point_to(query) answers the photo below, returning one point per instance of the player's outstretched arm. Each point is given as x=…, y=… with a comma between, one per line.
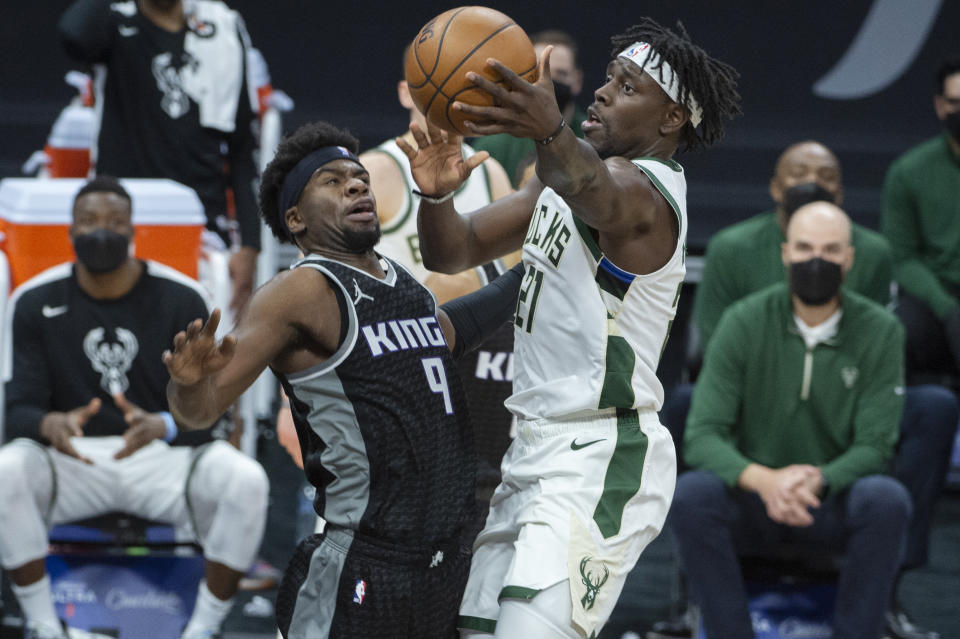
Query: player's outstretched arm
x=450, y=242
x=194, y=363
x=611, y=195
x=470, y=319
x=291, y=323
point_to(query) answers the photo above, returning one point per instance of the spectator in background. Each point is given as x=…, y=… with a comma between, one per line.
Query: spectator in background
x=174, y=101
x=793, y=424
x=567, y=83
x=745, y=258
x=86, y=411
x=921, y=218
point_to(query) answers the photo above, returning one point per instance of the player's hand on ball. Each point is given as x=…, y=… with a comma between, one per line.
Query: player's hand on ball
x=521, y=109
x=197, y=353
x=437, y=164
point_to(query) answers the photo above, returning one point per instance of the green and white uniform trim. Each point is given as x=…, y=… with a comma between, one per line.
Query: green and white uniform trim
x=588, y=481
x=589, y=334
x=581, y=497
x=400, y=240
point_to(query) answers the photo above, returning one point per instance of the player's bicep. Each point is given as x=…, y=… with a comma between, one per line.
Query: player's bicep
x=499, y=227
x=265, y=330
x=619, y=199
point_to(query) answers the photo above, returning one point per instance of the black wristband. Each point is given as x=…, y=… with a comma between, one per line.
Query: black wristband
x=553, y=136
x=477, y=315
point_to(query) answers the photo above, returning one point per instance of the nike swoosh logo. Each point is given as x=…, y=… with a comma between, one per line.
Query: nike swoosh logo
x=575, y=446
x=53, y=311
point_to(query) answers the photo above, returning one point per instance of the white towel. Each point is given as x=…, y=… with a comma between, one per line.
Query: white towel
x=216, y=38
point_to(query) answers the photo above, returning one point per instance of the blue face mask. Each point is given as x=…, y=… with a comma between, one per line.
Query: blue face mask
x=101, y=251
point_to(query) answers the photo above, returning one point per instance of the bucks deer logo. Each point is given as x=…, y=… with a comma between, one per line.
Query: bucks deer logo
x=593, y=583
x=112, y=359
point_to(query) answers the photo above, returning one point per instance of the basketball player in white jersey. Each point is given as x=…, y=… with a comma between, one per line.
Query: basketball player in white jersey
x=589, y=479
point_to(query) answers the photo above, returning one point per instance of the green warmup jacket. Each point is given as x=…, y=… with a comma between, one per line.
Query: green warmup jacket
x=921, y=218
x=745, y=258
x=762, y=397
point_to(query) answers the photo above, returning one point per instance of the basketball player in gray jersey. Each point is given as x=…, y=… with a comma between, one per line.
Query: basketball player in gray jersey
x=487, y=372
x=364, y=355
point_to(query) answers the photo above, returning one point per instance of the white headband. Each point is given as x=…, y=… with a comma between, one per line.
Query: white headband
x=645, y=57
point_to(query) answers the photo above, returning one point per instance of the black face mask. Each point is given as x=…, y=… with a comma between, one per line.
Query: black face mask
x=801, y=194
x=102, y=250
x=563, y=93
x=952, y=124
x=815, y=281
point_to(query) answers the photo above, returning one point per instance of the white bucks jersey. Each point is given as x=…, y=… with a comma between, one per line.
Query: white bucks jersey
x=589, y=335
x=400, y=241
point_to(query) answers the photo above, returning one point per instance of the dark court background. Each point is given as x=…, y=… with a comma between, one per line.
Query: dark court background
x=340, y=61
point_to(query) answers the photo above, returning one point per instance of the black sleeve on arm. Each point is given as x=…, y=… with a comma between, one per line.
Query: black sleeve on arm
x=28, y=391
x=477, y=315
x=87, y=30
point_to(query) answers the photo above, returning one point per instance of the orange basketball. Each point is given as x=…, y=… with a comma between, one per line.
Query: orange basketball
x=458, y=41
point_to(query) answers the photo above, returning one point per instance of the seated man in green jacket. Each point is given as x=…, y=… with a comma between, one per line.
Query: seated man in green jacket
x=745, y=257
x=792, y=427
x=921, y=218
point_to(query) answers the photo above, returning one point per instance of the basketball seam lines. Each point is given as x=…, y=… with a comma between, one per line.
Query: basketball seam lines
x=428, y=77
x=462, y=60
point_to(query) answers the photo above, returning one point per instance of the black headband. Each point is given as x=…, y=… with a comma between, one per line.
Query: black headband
x=299, y=175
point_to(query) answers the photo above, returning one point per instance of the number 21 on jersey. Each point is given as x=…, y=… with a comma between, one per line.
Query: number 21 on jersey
x=528, y=298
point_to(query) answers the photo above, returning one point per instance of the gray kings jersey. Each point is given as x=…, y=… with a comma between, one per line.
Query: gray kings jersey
x=383, y=423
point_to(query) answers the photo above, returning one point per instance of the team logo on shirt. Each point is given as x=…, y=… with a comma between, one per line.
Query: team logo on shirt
x=593, y=583
x=549, y=233
x=494, y=366
x=111, y=358
x=359, y=591
x=200, y=28
x=175, y=101
x=849, y=376
x=359, y=295
x=401, y=335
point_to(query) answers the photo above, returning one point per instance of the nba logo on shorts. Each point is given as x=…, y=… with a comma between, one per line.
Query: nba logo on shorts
x=360, y=591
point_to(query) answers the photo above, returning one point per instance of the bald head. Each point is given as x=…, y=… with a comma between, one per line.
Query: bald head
x=817, y=255
x=822, y=218
x=819, y=229
x=806, y=163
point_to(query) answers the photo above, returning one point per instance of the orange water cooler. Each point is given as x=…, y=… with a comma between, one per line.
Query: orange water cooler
x=35, y=214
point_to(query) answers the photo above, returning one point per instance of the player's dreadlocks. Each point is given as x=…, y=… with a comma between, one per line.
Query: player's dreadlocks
x=712, y=83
